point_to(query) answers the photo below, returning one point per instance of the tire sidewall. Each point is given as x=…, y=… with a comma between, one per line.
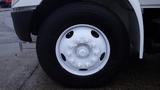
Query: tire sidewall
x=82, y=13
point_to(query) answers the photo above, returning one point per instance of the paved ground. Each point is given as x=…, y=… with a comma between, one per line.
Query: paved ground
x=8, y=39
x=21, y=70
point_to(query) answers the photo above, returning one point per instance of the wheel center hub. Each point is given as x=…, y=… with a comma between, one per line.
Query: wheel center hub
x=82, y=51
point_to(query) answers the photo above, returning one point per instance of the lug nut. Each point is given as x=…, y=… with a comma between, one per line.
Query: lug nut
x=87, y=64
x=82, y=41
x=77, y=41
x=86, y=40
x=96, y=52
x=83, y=66
x=94, y=59
x=80, y=65
x=71, y=61
x=72, y=45
x=69, y=53
x=93, y=45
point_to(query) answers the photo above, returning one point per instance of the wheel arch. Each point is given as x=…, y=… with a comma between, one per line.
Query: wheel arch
x=124, y=8
x=43, y=10
x=129, y=11
x=140, y=31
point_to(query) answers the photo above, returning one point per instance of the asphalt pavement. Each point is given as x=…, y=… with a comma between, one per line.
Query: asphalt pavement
x=20, y=70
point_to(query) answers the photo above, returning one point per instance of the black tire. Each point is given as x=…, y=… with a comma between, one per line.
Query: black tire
x=82, y=13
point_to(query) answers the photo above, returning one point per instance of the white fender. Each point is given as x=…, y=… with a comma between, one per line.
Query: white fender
x=137, y=8
x=134, y=3
x=25, y=3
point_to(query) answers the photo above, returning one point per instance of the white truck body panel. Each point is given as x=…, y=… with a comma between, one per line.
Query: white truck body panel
x=144, y=3
x=26, y=3
x=136, y=6
x=150, y=3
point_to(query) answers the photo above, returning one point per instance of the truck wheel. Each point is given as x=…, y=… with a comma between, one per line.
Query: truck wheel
x=82, y=45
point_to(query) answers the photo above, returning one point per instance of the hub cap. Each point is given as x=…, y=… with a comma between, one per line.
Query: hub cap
x=82, y=50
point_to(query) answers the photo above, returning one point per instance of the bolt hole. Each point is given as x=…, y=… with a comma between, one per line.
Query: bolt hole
x=63, y=57
x=83, y=69
x=70, y=34
x=95, y=34
x=102, y=56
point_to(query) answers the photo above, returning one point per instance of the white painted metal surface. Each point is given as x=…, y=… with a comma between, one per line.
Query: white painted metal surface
x=150, y=3
x=83, y=50
x=26, y=3
x=137, y=8
x=144, y=3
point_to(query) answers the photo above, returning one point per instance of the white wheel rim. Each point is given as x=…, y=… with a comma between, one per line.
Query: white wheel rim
x=83, y=50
